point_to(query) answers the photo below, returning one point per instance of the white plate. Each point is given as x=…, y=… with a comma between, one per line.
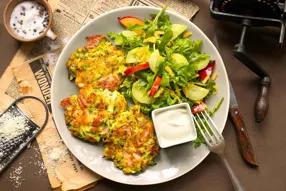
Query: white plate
x=171, y=162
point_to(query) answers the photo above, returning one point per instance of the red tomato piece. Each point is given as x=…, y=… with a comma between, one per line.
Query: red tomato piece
x=155, y=86
x=198, y=108
x=137, y=68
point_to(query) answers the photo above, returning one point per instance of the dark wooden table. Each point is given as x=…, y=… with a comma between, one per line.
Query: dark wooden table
x=268, y=138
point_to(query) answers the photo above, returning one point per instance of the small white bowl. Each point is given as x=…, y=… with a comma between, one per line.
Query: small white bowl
x=163, y=143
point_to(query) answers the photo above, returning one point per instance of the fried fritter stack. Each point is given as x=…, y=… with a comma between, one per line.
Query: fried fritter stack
x=99, y=111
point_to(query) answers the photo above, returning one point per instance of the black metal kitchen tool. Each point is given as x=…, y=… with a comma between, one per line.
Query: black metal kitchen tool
x=11, y=143
x=253, y=13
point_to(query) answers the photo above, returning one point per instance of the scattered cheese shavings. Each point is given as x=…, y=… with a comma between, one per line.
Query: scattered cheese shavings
x=56, y=153
x=12, y=126
x=16, y=176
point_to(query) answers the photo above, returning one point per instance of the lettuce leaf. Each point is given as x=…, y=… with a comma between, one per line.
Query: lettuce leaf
x=165, y=80
x=154, y=25
x=186, y=46
x=129, y=43
x=210, y=85
x=163, y=21
x=146, y=76
x=185, y=74
x=196, y=57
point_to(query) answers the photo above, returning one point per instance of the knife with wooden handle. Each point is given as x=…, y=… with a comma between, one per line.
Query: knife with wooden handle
x=243, y=139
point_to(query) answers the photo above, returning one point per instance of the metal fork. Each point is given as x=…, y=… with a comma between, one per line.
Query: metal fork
x=215, y=143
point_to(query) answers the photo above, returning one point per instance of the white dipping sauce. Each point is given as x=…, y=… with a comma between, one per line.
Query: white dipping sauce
x=29, y=19
x=174, y=126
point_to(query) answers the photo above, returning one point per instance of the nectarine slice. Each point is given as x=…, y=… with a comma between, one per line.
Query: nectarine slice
x=129, y=21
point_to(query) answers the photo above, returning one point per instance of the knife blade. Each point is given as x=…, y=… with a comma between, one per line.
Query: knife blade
x=245, y=146
x=243, y=138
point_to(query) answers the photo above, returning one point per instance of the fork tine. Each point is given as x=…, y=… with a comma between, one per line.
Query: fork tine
x=206, y=129
x=214, y=128
x=203, y=134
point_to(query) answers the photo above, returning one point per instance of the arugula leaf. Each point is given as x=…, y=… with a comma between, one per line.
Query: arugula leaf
x=126, y=87
x=210, y=85
x=169, y=53
x=146, y=109
x=199, y=140
x=180, y=81
x=186, y=46
x=165, y=80
x=164, y=100
x=164, y=40
x=128, y=81
x=154, y=25
x=197, y=45
x=161, y=69
x=186, y=100
x=185, y=74
x=211, y=112
x=196, y=57
x=113, y=35
x=127, y=44
x=138, y=27
x=163, y=21
x=147, y=76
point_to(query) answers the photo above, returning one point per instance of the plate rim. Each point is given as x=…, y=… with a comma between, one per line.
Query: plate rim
x=151, y=8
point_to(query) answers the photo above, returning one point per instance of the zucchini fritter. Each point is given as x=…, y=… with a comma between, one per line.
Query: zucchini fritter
x=99, y=112
x=100, y=64
x=131, y=142
x=89, y=113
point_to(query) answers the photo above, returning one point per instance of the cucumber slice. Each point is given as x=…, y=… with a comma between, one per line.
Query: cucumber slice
x=179, y=60
x=119, y=40
x=194, y=92
x=177, y=29
x=203, y=63
x=153, y=60
x=128, y=33
x=140, y=54
x=140, y=94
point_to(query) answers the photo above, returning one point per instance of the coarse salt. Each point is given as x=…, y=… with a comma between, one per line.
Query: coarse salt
x=29, y=19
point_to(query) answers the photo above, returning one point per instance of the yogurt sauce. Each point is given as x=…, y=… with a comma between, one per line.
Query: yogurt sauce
x=29, y=19
x=174, y=126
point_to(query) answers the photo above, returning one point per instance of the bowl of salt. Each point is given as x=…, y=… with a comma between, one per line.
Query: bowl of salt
x=28, y=21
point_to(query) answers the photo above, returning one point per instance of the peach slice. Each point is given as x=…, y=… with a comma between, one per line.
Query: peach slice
x=128, y=21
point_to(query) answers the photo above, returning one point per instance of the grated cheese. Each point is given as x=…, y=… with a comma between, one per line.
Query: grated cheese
x=12, y=126
x=16, y=175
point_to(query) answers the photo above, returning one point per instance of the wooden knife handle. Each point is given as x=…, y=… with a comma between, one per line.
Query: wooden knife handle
x=243, y=139
x=262, y=103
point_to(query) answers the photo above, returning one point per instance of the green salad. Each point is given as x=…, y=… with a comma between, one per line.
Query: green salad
x=166, y=66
